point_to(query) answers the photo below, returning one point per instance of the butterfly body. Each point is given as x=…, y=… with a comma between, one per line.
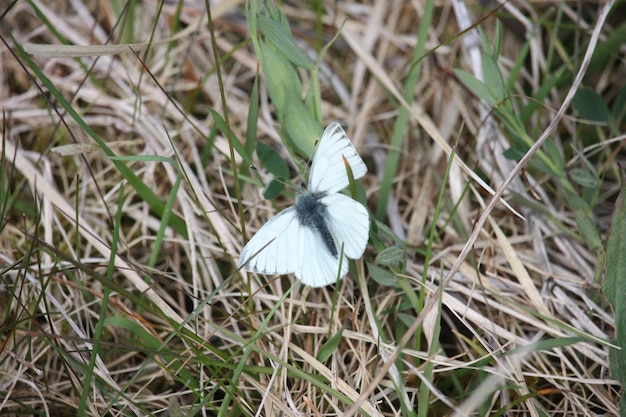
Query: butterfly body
x=312, y=213
x=314, y=238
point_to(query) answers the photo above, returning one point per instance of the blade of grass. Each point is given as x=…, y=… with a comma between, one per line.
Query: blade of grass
x=97, y=336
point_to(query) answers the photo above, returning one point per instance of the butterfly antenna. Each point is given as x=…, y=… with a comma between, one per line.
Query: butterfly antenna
x=309, y=160
x=259, y=178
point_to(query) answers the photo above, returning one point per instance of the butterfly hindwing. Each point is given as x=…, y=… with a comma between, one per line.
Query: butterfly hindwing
x=348, y=222
x=318, y=267
x=328, y=172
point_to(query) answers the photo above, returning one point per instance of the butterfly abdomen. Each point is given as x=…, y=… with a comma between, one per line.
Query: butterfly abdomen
x=312, y=213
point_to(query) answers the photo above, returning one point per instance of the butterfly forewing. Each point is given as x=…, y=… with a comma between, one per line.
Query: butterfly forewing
x=328, y=172
x=270, y=251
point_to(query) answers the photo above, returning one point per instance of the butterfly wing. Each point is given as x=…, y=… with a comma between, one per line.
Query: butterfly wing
x=348, y=222
x=318, y=267
x=284, y=246
x=271, y=249
x=328, y=172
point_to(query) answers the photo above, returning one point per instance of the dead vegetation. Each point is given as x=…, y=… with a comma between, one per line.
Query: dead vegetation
x=118, y=250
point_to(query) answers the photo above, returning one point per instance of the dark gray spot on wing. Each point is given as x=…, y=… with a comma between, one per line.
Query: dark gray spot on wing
x=312, y=213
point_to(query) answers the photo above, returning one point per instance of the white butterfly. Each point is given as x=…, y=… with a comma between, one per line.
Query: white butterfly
x=307, y=239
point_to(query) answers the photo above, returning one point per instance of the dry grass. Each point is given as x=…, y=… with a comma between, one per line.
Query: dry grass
x=119, y=293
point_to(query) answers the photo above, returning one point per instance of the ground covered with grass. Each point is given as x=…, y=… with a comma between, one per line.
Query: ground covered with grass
x=143, y=143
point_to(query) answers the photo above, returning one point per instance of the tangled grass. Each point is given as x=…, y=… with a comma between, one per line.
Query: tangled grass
x=139, y=137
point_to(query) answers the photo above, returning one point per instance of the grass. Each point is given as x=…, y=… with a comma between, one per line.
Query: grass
x=131, y=177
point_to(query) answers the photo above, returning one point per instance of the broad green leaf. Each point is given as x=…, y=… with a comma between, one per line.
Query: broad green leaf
x=584, y=177
x=273, y=189
x=282, y=78
x=606, y=50
x=271, y=160
x=493, y=78
x=590, y=106
x=588, y=229
x=517, y=152
x=382, y=276
x=301, y=126
x=538, y=164
x=391, y=256
x=282, y=40
x=406, y=319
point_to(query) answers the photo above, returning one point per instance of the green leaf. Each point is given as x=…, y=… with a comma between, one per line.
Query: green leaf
x=537, y=163
x=487, y=50
x=590, y=105
x=515, y=152
x=476, y=86
x=382, y=276
x=221, y=124
x=619, y=107
x=281, y=39
x=406, y=319
x=615, y=284
x=606, y=50
x=497, y=43
x=282, y=78
x=279, y=55
x=584, y=177
x=555, y=156
x=253, y=116
x=588, y=229
x=391, y=256
x=493, y=78
x=271, y=160
x=302, y=127
x=328, y=348
x=586, y=226
x=273, y=189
